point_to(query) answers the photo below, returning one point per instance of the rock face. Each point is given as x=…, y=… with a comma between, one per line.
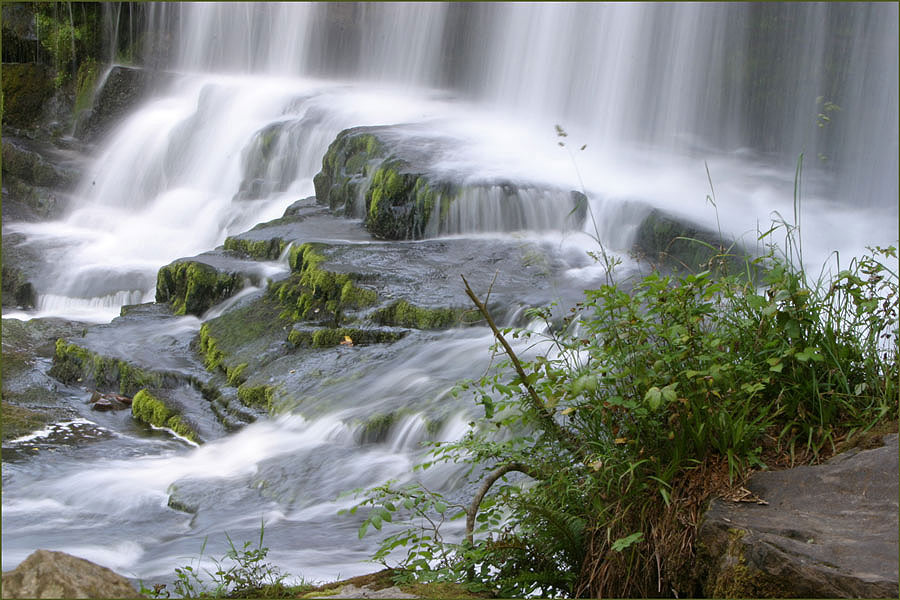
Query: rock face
x=827, y=531
x=122, y=90
x=46, y=574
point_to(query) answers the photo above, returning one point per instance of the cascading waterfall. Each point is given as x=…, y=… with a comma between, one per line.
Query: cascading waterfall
x=262, y=89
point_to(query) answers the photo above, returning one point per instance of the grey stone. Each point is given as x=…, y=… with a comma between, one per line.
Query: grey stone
x=48, y=574
x=827, y=531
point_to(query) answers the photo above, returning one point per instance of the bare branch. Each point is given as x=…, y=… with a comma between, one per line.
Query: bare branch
x=550, y=424
x=496, y=474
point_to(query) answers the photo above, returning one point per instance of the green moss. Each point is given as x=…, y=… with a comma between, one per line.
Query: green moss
x=26, y=86
x=235, y=375
x=193, y=287
x=317, y=294
x=376, y=428
x=74, y=364
x=259, y=396
x=85, y=82
x=328, y=337
x=404, y=314
x=257, y=249
x=18, y=420
x=735, y=579
x=147, y=408
x=343, y=168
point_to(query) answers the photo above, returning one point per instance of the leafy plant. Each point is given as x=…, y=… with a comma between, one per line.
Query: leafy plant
x=648, y=398
x=240, y=573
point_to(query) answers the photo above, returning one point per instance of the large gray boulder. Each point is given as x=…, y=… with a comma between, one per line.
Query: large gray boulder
x=827, y=531
x=47, y=574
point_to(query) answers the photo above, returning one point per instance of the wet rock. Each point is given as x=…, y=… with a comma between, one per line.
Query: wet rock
x=391, y=177
x=48, y=574
x=827, y=531
x=17, y=291
x=122, y=90
x=192, y=286
x=672, y=242
x=104, y=402
x=151, y=409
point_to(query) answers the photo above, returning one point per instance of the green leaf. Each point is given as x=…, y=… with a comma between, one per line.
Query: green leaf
x=363, y=528
x=653, y=398
x=622, y=543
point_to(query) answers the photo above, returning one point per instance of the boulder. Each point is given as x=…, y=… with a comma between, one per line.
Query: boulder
x=47, y=574
x=827, y=531
x=673, y=242
x=392, y=177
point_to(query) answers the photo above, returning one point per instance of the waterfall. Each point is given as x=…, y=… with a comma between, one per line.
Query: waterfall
x=665, y=105
x=702, y=78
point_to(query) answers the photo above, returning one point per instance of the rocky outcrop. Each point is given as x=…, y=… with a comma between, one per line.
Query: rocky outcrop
x=390, y=176
x=827, y=531
x=47, y=574
x=192, y=287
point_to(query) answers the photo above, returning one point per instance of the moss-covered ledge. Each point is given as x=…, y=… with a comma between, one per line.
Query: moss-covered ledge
x=403, y=314
x=74, y=364
x=149, y=408
x=314, y=293
x=192, y=287
x=271, y=249
x=328, y=337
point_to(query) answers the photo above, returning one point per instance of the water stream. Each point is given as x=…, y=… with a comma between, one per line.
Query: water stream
x=660, y=96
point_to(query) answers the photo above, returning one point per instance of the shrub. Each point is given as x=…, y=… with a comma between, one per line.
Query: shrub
x=637, y=408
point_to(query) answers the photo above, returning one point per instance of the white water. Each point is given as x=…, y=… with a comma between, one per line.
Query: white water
x=647, y=87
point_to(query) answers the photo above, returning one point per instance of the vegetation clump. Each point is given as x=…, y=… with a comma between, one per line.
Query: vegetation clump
x=148, y=408
x=641, y=407
x=328, y=337
x=313, y=293
x=193, y=287
x=259, y=396
x=403, y=314
x=257, y=249
x=74, y=364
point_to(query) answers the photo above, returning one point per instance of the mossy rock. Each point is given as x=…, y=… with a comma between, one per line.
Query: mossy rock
x=400, y=205
x=231, y=343
x=315, y=293
x=256, y=249
x=26, y=87
x=17, y=290
x=399, y=201
x=19, y=421
x=674, y=243
x=258, y=396
x=327, y=337
x=344, y=168
x=74, y=364
x=193, y=287
x=403, y=314
x=152, y=410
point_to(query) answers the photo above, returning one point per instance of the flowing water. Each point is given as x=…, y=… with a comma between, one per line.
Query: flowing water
x=668, y=99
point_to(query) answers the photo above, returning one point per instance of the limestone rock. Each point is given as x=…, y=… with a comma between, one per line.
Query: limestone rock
x=47, y=574
x=827, y=531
